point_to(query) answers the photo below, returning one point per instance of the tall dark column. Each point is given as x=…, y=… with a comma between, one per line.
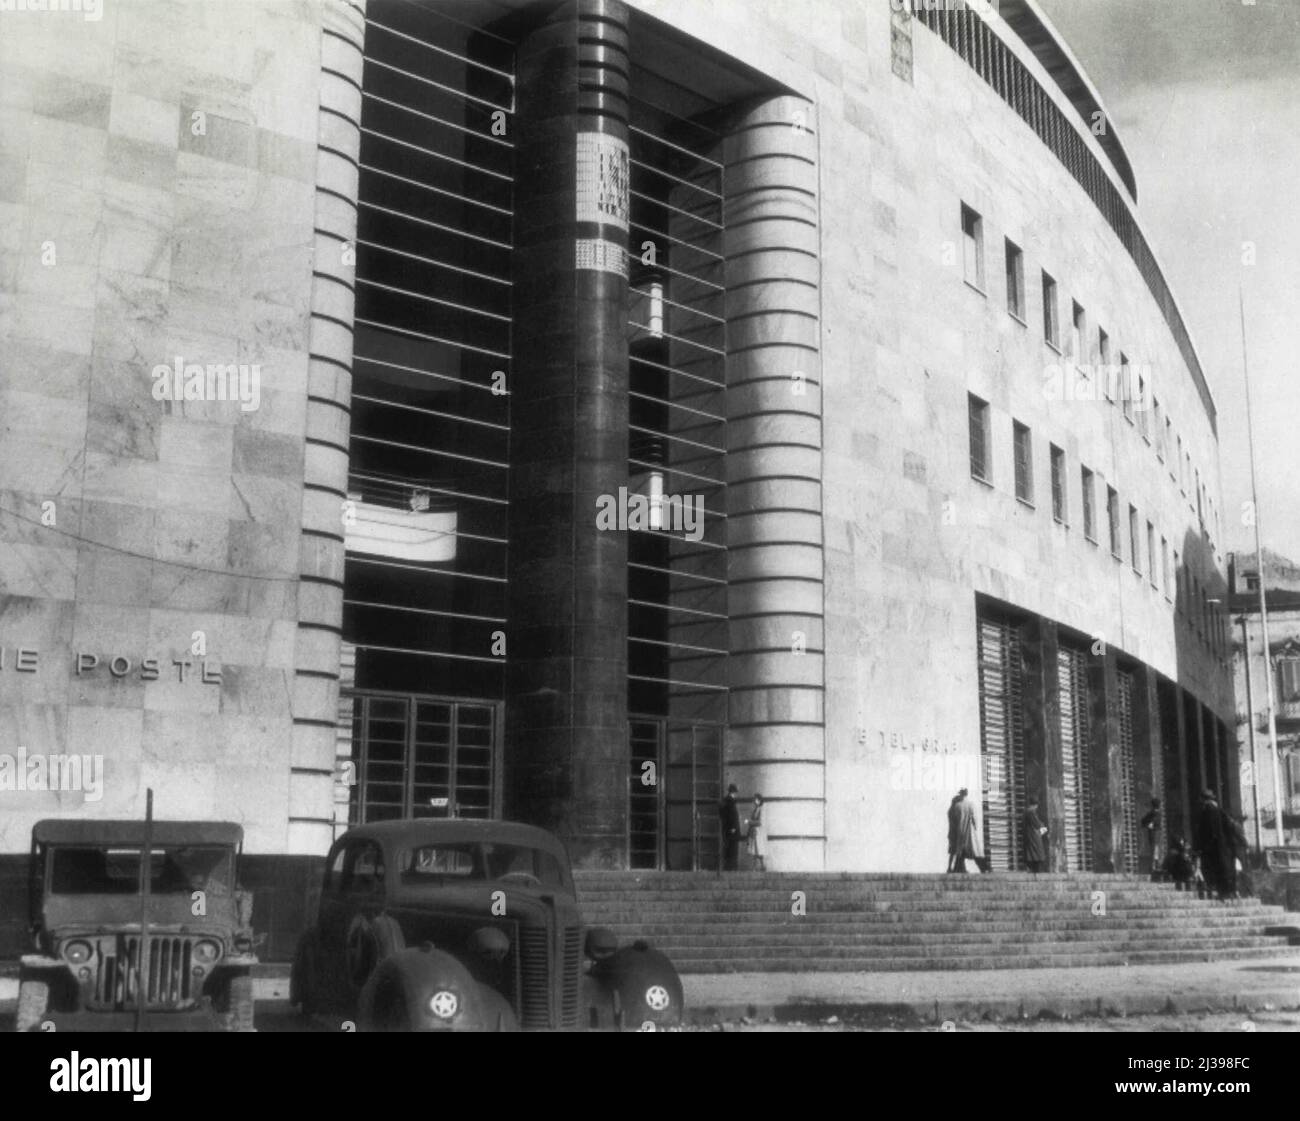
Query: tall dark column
x=1044, y=777
x=566, y=723
x=1107, y=809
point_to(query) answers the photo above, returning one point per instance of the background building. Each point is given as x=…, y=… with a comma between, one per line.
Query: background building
x=863, y=289
x=1282, y=595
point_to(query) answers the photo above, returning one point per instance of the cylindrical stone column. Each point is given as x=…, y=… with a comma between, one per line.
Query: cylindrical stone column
x=329, y=395
x=776, y=734
x=566, y=745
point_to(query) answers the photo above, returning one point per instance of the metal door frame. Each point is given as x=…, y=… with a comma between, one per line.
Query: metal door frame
x=361, y=711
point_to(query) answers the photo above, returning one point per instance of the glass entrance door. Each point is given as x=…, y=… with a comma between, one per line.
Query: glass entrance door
x=673, y=821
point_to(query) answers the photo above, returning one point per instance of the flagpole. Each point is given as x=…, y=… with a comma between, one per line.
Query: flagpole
x=1263, y=599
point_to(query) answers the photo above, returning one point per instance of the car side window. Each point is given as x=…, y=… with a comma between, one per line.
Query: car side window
x=334, y=870
x=365, y=869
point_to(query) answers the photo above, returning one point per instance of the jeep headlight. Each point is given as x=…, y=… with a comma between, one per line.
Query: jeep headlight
x=77, y=953
x=206, y=952
x=444, y=1004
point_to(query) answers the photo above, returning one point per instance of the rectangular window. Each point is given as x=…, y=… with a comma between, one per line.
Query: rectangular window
x=1179, y=462
x=1135, y=546
x=1051, y=325
x=1288, y=680
x=1164, y=560
x=1015, y=281
x=1159, y=423
x=1140, y=404
x=1112, y=516
x=972, y=233
x=1153, y=572
x=1089, y=518
x=1179, y=583
x=1078, y=334
x=1125, y=390
x=1169, y=448
x=1103, y=362
x=1058, y=486
x=1024, y=463
x=981, y=466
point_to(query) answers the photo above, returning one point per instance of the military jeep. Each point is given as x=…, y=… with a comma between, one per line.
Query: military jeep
x=462, y=925
x=86, y=905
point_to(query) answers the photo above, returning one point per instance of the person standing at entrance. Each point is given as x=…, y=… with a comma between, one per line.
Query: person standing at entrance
x=1032, y=832
x=729, y=818
x=954, y=835
x=1151, y=827
x=757, y=834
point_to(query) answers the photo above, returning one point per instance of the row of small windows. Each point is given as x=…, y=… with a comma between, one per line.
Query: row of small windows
x=980, y=47
x=1162, y=567
x=1129, y=390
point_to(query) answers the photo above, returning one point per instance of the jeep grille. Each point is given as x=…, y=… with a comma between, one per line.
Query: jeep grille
x=115, y=981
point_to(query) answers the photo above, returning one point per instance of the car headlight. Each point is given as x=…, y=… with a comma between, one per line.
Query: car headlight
x=77, y=953
x=206, y=952
x=444, y=1004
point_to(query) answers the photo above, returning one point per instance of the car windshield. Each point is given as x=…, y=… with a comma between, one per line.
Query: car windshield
x=116, y=871
x=480, y=861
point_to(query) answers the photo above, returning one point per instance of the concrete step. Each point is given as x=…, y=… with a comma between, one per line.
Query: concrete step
x=804, y=929
x=885, y=921
x=805, y=963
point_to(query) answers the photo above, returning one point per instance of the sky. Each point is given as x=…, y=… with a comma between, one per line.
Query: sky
x=1205, y=97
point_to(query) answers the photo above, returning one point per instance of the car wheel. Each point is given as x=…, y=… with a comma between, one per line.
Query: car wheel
x=237, y=1007
x=369, y=942
x=303, y=977
x=33, y=1003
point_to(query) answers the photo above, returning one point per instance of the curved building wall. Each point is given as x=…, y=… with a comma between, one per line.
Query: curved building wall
x=908, y=134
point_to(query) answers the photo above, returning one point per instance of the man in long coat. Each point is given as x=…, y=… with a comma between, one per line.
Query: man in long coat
x=729, y=819
x=1214, y=843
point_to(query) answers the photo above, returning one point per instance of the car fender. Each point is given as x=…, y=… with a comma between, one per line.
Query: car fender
x=398, y=995
x=643, y=984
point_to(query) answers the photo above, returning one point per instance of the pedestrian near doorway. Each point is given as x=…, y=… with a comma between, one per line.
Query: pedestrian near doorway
x=1151, y=827
x=970, y=843
x=954, y=833
x=1033, y=834
x=729, y=818
x=757, y=835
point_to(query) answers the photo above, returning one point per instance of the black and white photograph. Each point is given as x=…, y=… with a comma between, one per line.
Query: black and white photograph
x=690, y=516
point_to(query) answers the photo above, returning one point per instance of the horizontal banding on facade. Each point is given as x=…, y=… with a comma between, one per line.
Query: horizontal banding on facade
x=776, y=738
x=333, y=302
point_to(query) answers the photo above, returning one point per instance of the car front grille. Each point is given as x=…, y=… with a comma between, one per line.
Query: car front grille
x=571, y=980
x=534, y=979
x=116, y=985
x=549, y=997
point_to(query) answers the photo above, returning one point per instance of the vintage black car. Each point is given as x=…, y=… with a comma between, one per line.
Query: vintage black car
x=461, y=925
x=86, y=911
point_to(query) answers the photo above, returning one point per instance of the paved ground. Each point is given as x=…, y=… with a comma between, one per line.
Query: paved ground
x=1004, y=994
x=1257, y=992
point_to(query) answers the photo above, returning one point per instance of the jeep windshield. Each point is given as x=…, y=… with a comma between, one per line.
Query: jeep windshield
x=116, y=871
x=471, y=860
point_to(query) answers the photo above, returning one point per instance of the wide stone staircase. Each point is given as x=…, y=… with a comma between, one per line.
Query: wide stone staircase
x=750, y=921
